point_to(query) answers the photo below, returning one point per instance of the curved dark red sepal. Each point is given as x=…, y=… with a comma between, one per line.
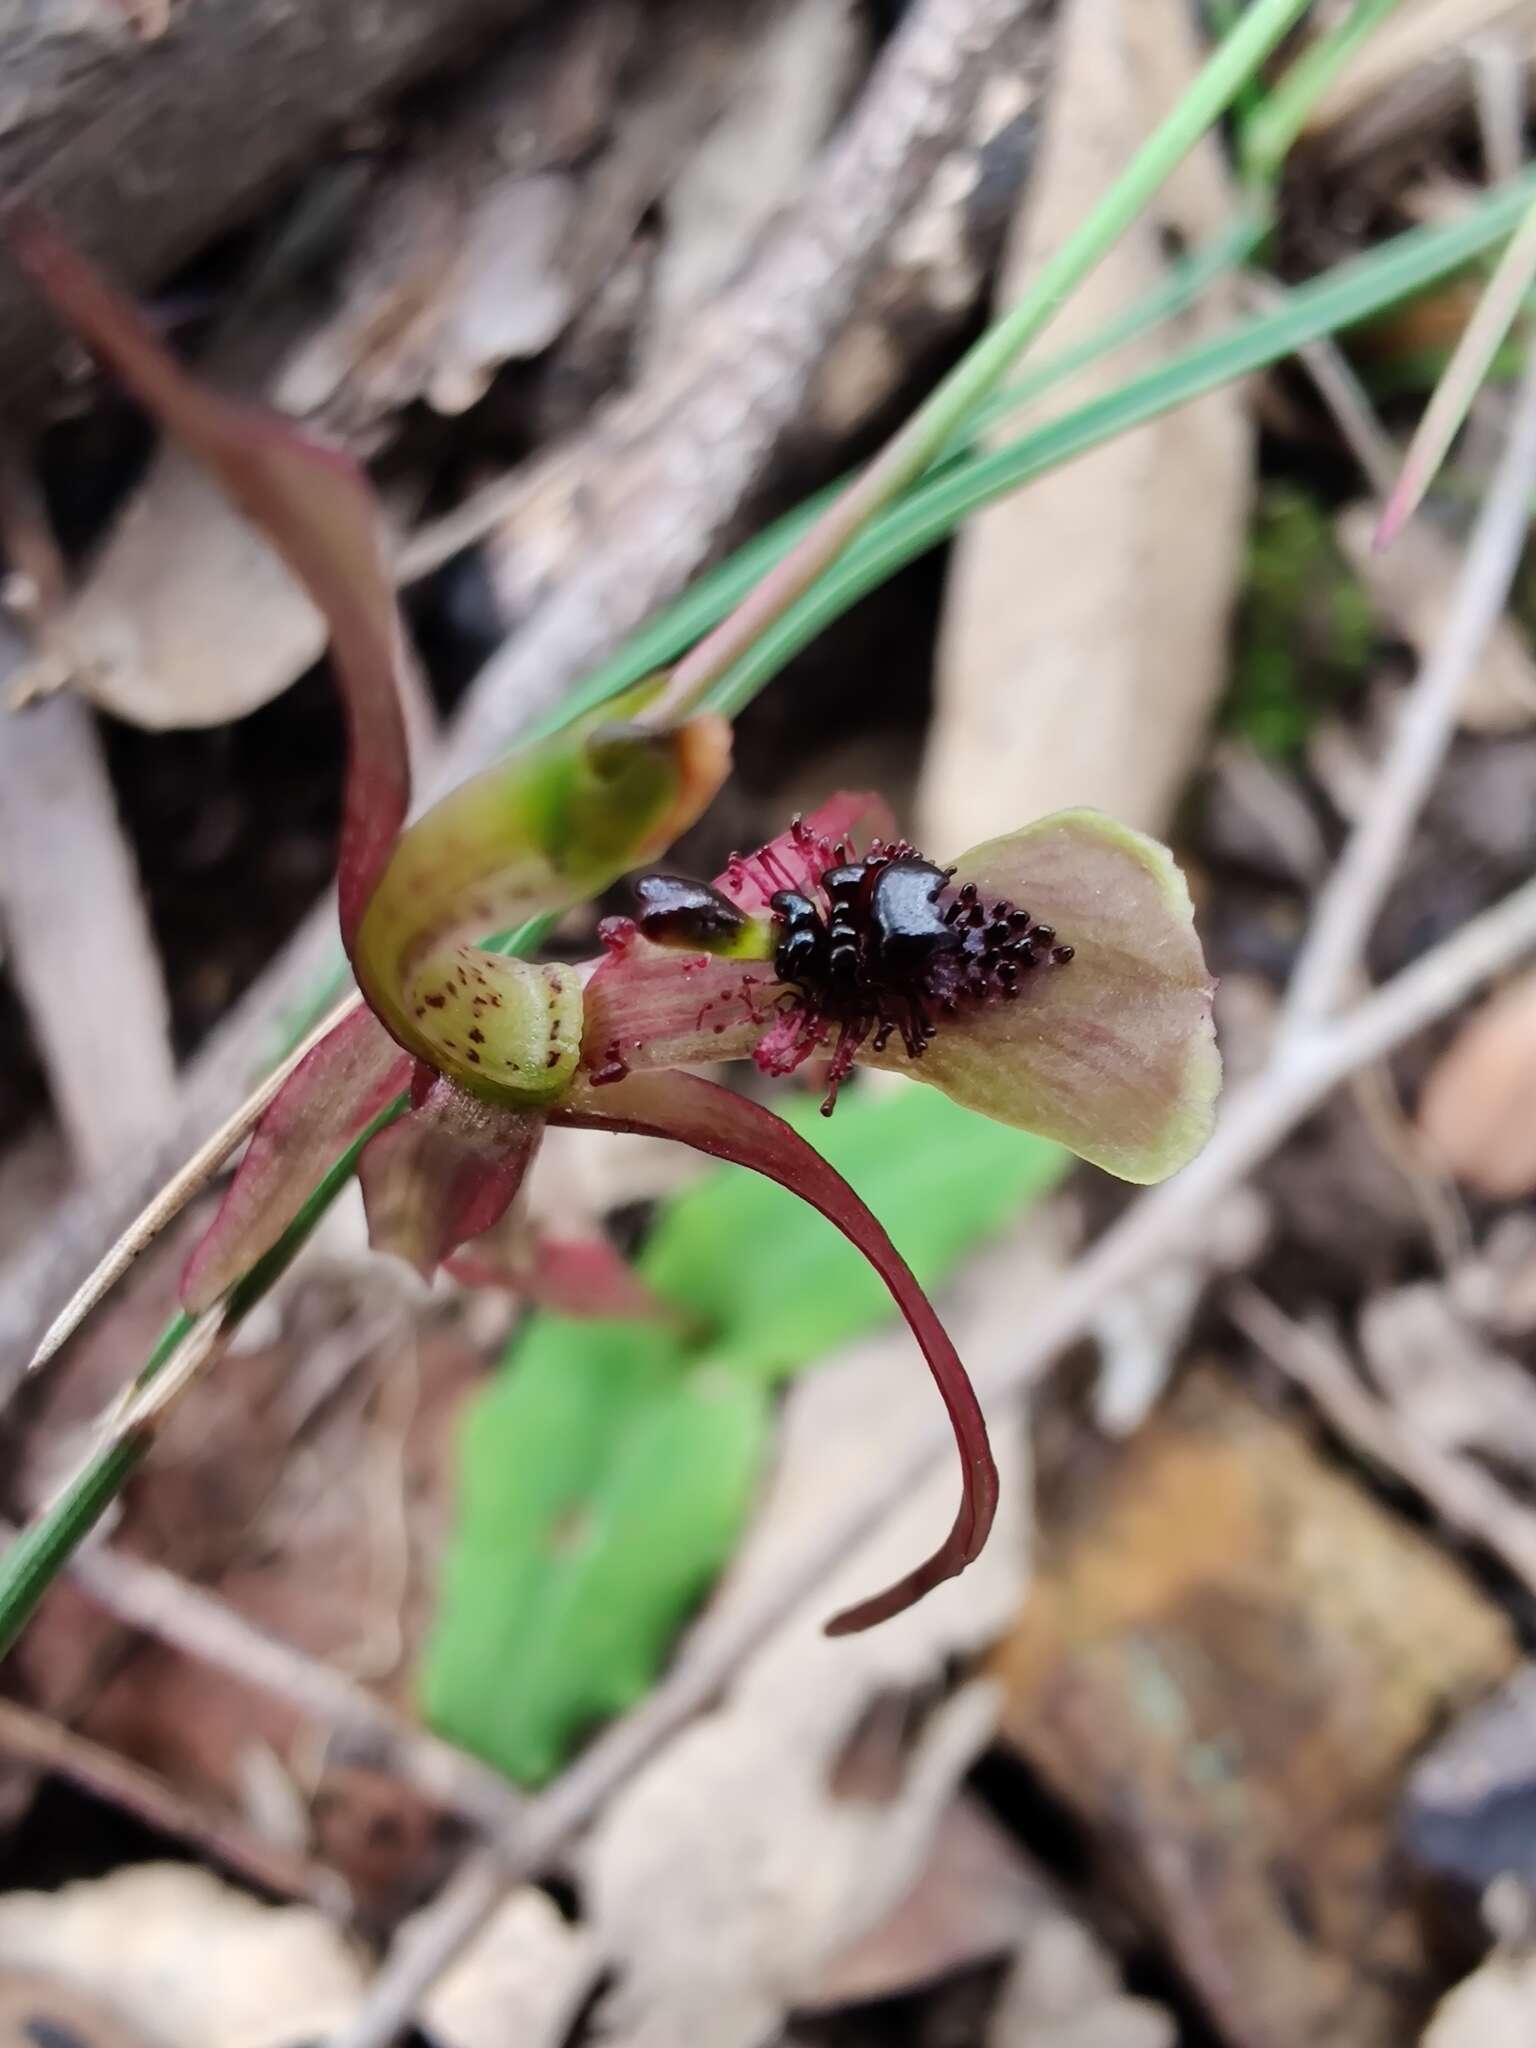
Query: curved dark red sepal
x=728, y=1126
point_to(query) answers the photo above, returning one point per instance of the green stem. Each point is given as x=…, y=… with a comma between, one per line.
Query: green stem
x=42, y=1550
x=935, y=424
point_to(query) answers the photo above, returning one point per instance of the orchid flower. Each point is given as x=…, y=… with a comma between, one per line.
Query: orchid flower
x=1050, y=978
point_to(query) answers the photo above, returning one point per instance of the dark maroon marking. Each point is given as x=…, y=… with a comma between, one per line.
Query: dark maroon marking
x=872, y=950
x=614, y=1067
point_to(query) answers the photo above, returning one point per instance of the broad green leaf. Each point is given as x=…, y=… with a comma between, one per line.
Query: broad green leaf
x=602, y=1489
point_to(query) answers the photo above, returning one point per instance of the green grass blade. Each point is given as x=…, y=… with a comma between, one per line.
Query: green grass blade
x=1271, y=129
x=944, y=414
x=932, y=511
x=1470, y=363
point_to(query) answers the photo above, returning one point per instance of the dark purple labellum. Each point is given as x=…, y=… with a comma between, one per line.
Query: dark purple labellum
x=876, y=950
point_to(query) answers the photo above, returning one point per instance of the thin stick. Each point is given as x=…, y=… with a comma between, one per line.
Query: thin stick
x=1462, y=379
x=1340, y=390
x=33, y=1739
x=1158, y=1225
x=1348, y=905
x=82, y=950
x=147, y=1597
x=1465, y=1496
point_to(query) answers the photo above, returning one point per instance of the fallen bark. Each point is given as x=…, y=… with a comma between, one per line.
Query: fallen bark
x=149, y=130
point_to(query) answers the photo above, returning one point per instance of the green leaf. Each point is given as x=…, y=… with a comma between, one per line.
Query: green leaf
x=602, y=1488
x=609, y=1469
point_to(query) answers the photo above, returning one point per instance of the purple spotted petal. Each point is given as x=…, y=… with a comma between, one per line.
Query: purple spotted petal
x=328, y=1100
x=727, y=1126
x=311, y=502
x=446, y=1172
x=1114, y=1053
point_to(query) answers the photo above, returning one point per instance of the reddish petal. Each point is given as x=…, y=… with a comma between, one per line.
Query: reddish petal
x=1113, y=1054
x=652, y=1006
x=311, y=502
x=573, y=1276
x=751, y=879
x=330, y=1098
x=446, y=1172
x=727, y=1126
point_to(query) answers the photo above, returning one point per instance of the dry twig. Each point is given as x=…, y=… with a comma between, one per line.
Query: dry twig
x=34, y=1740
x=81, y=947
x=1466, y=1497
x=1349, y=901
x=149, y=1598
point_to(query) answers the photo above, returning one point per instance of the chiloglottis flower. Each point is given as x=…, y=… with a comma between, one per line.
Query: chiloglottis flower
x=1050, y=978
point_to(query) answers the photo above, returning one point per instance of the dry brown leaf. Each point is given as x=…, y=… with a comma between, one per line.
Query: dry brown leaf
x=752, y=1823
x=978, y=1900
x=1410, y=586
x=1230, y=1655
x=186, y=1959
x=1085, y=635
x=187, y=618
x=461, y=262
x=1478, y=1108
